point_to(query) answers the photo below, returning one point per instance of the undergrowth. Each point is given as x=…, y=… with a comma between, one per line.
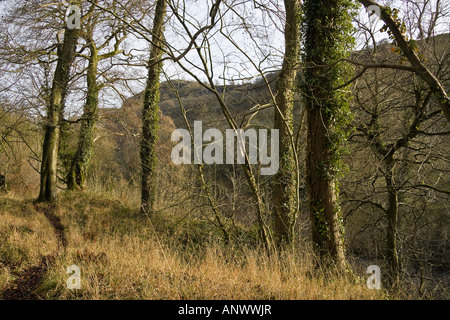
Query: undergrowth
x=123, y=255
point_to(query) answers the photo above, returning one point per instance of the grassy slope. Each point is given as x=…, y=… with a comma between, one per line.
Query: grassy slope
x=123, y=256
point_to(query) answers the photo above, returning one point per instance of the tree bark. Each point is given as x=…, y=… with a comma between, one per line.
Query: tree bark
x=285, y=191
x=77, y=174
x=327, y=231
x=326, y=25
x=66, y=55
x=392, y=230
x=150, y=117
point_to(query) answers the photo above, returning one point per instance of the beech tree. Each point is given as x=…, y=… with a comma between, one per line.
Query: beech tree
x=66, y=55
x=35, y=39
x=98, y=52
x=285, y=194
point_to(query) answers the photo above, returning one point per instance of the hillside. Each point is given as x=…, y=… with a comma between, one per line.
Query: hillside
x=124, y=256
x=180, y=253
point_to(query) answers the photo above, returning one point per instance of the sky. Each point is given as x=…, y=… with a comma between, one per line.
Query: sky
x=260, y=45
x=263, y=38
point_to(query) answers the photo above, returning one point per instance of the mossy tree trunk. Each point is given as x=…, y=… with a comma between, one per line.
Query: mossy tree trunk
x=66, y=56
x=77, y=173
x=285, y=182
x=150, y=117
x=327, y=29
x=76, y=177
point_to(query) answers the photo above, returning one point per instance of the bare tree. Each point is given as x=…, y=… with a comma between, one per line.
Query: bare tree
x=400, y=123
x=285, y=195
x=409, y=50
x=66, y=56
x=76, y=175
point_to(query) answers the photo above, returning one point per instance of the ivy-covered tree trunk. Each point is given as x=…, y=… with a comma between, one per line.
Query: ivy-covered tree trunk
x=285, y=182
x=66, y=55
x=76, y=177
x=150, y=117
x=327, y=39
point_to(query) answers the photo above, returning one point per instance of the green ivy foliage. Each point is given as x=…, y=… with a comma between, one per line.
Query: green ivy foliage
x=327, y=31
x=328, y=38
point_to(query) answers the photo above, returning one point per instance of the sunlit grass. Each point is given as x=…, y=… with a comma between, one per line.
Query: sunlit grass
x=122, y=256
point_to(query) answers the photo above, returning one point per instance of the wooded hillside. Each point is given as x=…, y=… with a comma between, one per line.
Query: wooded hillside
x=90, y=124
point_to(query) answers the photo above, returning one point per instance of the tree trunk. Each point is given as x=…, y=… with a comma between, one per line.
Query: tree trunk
x=76, y=177
x=66, y=55
x=150, y=117
x=285, y=191
x=392, y=230
x=327, y=231
x=327, y=25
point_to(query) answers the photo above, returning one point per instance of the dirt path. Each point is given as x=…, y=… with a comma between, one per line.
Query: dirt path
x=55, y=221
x=28, y=280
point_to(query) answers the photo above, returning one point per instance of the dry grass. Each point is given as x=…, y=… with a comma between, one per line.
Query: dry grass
x=25, y=237
x=122, y=256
